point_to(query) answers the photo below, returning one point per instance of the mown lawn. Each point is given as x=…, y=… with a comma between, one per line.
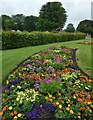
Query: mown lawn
x=11, y=58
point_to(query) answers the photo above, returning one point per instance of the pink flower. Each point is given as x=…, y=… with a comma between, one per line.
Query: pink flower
x=49, y=81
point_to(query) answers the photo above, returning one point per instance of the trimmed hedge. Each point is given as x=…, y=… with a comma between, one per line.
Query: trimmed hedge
x=12, y=40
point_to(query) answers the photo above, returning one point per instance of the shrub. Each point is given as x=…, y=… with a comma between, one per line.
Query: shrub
x=12, y=40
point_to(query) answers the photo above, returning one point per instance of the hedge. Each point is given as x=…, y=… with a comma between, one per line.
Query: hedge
x=12, y=40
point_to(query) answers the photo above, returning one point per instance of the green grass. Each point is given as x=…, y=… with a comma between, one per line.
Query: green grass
x=11, y=58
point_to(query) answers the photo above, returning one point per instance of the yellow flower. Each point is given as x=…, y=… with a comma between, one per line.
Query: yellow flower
x=67, y=108
x=89, y=103
x=91, y=106
x=57, y=103
x=53, y=97
x=68, y=105
x=68, y=100
x=86, y=88
x=74, y=97
x=19, y=115
x=10, y=108
x=60, y=106
x=50, y=100
x=50, y=96
x=43, y=75
x=71, y=112
x=79, y=117
x=19, y=87
x=46, y=97
x=59, y=94
x=7, y=82
x=15, y=118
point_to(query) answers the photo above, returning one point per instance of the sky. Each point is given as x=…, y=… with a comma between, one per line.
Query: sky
x=77, y=10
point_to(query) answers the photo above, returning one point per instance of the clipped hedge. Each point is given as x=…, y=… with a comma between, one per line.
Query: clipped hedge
x=12, y=40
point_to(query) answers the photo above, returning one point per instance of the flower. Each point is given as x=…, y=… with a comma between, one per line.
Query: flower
x=10, y=108
x=19, y=87
x=46, y=97
x=67, y=108
x=71, y=112
x=57, y=103
x=50, y=96
x=15, y=112
x=11, y=114
x=19, y=115
x=79, y=117
x=60, y=106
x=15, y=118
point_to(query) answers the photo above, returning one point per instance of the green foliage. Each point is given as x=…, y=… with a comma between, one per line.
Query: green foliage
x=6, y=22
x=30, y=23
x=85, y=26
x=52, y=16
x=51, y=87
x=12, y=40
x=70, y=28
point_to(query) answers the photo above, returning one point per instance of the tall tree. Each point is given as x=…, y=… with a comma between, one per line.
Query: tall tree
x=6, y=22
x=70, y=28
x=18, y=21
x=85, y=26
x=30, y=23
x=52, y=16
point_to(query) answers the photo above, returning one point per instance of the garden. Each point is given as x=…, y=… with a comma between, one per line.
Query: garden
x=48, y=84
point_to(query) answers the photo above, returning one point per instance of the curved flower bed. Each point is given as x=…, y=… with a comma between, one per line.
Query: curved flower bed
x=48, y=85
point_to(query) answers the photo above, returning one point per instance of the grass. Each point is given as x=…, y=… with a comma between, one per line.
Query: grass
x=11, y=58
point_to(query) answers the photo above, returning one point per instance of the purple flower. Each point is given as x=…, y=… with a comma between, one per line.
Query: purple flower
x=6, y=87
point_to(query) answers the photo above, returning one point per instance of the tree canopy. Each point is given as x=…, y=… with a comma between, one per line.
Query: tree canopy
x=51, y=16
x=70, y=28
x=85, y=26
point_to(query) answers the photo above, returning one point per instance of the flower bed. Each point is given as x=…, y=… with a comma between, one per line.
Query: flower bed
x=86, y=43
x=48, y=85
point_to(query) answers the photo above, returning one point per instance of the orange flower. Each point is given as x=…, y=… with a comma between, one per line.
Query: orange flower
x=40, y=94
x=82, y=108
x=83, y=80
x=88, y=96
x=15, y=112
x=80, y=95
x=62, y=101
x=4, y=108
x=11, y=114
x=79, y=100
x=91, y=81
x=79, y=114
x=61, y=111
x=1, y=113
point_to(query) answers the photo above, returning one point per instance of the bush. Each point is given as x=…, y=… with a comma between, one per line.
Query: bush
x=12, y=40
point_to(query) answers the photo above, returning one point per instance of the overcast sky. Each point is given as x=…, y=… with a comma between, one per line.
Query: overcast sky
x=77, y=10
